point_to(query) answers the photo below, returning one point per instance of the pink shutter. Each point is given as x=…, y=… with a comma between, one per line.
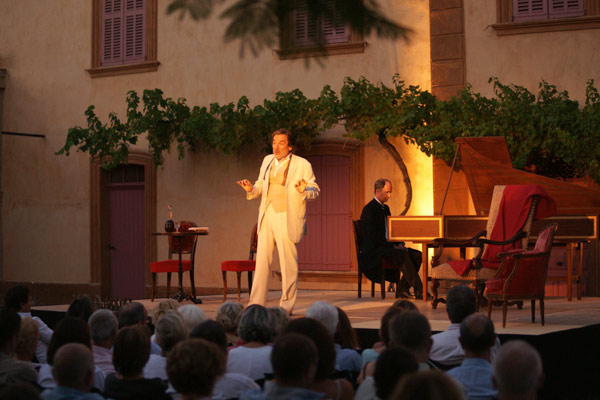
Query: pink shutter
x=334, y=29
x=304, y=26
x=135, y=28
x=528, y=10
x=566, y=8
x=112, y=37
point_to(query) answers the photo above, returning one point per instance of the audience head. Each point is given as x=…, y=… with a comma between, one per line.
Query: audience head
x=460, y=303
x=323, y=340
x=477, y=334
x=19, y=391
x=518, y=370
x=131, y=314
x=325, y=313
x=294, y=359
x=82, y=308
x=427, y=385
x=390, y=367
x=103, y=326
x=345, y=335
x=405, y=305
x=27, y=342
x=68, y=330
x=211, y=331
x=228, y=315
x=280, y=318
x=170, y=330
x=131, y=350
x=162, y=307
x=10, y=323
x=411, y=330
x=74, y=367
x=18, y=298
x=384, y=328
x=256, y=325
x=192, y=316
x=193, y=367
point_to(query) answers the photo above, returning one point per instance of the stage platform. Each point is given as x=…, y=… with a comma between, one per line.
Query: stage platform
x=569, y=342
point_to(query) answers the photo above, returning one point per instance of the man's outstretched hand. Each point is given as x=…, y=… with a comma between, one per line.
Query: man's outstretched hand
x=246, y=184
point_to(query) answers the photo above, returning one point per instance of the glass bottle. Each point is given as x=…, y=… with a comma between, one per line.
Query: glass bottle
x=170, y=224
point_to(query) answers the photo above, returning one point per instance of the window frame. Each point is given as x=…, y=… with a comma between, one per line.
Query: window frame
x=150, y=63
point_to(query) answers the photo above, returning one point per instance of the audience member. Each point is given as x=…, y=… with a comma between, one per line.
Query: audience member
x=446, y=351
x=82, y=307
x=427, y=385
x=74, y=374
x=228, y=315
x=231, y=385
x=340, y=388
x=194, y=366
x=411, y=330
x=103, y=329
x=346, y=360
x=345, y=335
x=68, y=330
x=294, y=361
x=27, y=342
x=19, y=299
x=518, y=371
x=19, y=391
x=280, y=318
x=135, y=313
x=130, y=354
x=162, y=307
x=477, y=337
x=12, y=371
x=369, y=355
x=390, y=367
x=170, y=330
x=192, y=315
x=253, y=358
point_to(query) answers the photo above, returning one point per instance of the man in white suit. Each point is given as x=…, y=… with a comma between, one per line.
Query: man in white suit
x=285, y=182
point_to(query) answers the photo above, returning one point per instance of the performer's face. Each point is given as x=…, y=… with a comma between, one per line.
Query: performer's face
x=384, y=194
x=281, y=147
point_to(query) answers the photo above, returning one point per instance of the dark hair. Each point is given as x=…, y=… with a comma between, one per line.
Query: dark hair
x=390, y=367
x=131, y=350
x=292, y=356
x=10, y=323
x=15, y=296
x=19, y=391
x=131, y=314
x=477, y=333
x=405, y=305
x=211, y=331
x=194, y=365
x=380, y=183
x=345, y=335
x=82, y=308
x=460, y=302
x=68, y=330
x=290, y=136
x=257, y=324
x=317, y=332
x=384, y=328
x=410, y=329
x=431, y=385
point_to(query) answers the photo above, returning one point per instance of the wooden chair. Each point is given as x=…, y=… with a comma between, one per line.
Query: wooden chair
x=478, y=273
x=188, y=246
x=385, y=265
x=240, y=266
x=525, y=279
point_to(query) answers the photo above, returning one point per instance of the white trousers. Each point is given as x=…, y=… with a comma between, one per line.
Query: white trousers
x=274, y=232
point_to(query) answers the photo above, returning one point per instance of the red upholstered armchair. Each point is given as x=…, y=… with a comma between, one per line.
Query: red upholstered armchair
x=188, y=246
x=522, y=275
x=240, y=266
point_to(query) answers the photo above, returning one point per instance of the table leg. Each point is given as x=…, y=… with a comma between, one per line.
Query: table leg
x=570, y=271
x=425, y=268
x=579, y=270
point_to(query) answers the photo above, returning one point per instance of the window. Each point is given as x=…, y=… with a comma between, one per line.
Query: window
x=527, y=10
x=304, y=35
x=124, y=37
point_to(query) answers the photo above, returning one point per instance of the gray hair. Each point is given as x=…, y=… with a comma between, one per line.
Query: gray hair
x=325, y=313
x=380, y=183
x=192, y=315
x=518, y=368
x=103, y=324
x=229, y=314
x=257, y=324
x=170, y=330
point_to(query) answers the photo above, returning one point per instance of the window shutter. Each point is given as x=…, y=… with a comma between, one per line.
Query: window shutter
x=528, y=10
x=304, y=26
x=335, y=30
x=112, y=38
x=566, y=8
x=135, y=29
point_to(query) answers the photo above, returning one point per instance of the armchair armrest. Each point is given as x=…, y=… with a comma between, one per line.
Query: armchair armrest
x=447, y=242
x=529, y=254
x=510, y=253
x=520, y=235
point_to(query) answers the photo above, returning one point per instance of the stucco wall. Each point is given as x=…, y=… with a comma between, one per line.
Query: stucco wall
x=46, y=48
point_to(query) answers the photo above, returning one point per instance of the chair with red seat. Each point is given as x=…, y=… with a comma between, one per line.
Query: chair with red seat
x=523, y=279
x=188, y=246
x=240, y=266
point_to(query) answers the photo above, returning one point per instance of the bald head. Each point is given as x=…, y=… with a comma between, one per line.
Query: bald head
x=74, y=366
x=518, y=370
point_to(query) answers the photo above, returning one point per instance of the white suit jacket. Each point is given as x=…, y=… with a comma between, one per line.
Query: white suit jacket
x=295, y=202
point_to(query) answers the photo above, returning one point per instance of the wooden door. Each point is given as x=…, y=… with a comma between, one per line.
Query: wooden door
x=126, y=231
x=326, y=245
